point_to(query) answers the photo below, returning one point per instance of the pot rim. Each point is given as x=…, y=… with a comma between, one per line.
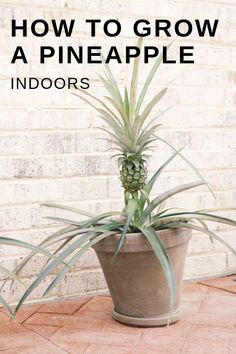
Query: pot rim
x=137, y=242
x=162, y=231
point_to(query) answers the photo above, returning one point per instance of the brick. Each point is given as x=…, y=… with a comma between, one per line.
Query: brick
x=15, y=218
x=201, y=76
x=37, y=98
x=82, y=282
x=218, y=56
x=230, y=98
x=89, y=165
x=15, y=145
x=37, y=3
x=195, y=118
x=19, y=69
x=11, y=13
x=231, y=263
x=13, y=119
x=29, y=235
x=94, y=188
x=199, y=244
x=149, y=8
x=29, y=167
x=199, y=265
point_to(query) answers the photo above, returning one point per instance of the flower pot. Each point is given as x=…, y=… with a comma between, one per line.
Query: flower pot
x=136, y=280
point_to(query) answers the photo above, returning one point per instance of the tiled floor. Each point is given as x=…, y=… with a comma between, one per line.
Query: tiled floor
x=84, y=325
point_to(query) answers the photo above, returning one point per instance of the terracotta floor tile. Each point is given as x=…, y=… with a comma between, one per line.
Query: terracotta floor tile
x=11, y=327
x=191, y=306
x=227, y=283
x=114, y=326
x=192, y=296
x=199, y=348
x=41, y=349
x=219, y=304
x=44, y=331
x=208, y=326
x=209, y=319
x=113, y=349
x=174, y=330
x=73, y=347
x=10, y=351
x=232, y=350
x=216, y=291
x=232, y=346
x=84, y=322
x=194, y=288
x=172, y=337
x=67, y=307
x=81, y=336
x=165, y=347
x=21, y=339
x=26, y=311
x=102, y=304
x=3, y=317
x=88, y=319
x=208, y=339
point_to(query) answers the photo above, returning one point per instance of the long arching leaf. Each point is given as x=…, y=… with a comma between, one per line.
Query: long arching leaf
x=164, y=260
x=134, y=82
x=130, y=210
x=164, y=196
x=46, y=271
x=68, y=208
x=187, y=162
x=152, y=103
x=6, y=307
x=75, y=259
x=208, y=232
x=10, y=275
x=194, y=215
x=148, y=81
x=12, y=242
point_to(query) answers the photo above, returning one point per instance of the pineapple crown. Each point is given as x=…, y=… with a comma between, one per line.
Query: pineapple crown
x=128, y=125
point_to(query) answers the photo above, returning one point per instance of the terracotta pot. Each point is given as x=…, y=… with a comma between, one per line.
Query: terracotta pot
x=136, y=280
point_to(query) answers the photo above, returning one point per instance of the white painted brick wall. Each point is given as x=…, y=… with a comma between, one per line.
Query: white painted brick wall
x=49, y=149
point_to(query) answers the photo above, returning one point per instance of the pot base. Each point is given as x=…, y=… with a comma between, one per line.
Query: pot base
x=146, y=321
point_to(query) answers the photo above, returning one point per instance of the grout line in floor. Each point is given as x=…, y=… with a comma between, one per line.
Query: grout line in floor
x=139, y=339
x=84, y=351
x=31, y=314
x=203, y=299
x=82, y=306
x=185, y=339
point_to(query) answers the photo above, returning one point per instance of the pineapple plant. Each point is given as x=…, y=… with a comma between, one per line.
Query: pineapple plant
x=132, y=134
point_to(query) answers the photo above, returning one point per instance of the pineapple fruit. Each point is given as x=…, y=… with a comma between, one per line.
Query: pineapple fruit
x=133, y=174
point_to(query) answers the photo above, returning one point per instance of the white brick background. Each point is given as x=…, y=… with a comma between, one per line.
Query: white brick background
x=49, y=149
